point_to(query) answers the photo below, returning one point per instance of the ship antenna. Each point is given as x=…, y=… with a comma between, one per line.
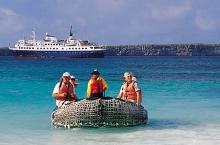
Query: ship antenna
x=71, y=34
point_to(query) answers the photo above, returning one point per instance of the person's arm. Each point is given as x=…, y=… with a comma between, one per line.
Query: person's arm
x=139, y=93
x=72, y=83
x=89, y=89
x=139, y=97
x=120, y=95
x=59, y=96
x=56, y=93
x=105, y=85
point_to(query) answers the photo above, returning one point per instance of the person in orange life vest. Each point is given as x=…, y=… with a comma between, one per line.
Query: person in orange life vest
x=64, y=91
x=96, y=85
x=130, y=91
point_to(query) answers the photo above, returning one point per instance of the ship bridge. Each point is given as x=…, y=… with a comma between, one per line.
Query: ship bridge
x=50, y=38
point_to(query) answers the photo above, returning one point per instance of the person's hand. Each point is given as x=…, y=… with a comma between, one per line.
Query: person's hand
x=63, y=95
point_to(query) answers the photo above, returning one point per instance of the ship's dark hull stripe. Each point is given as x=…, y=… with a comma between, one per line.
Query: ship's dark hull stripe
x=51, y=54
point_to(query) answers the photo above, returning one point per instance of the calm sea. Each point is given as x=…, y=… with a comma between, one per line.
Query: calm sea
x=181, y=94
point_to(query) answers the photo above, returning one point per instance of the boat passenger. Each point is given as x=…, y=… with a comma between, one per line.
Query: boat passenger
x=74, y=81
x=130, y=90
x=96, y=86
x=64, y=91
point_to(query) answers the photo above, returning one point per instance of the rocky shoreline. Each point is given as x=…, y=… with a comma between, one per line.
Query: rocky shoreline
x=154, y=50
x=164, y=50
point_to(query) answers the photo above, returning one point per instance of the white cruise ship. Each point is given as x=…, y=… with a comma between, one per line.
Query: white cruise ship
x=51, y=47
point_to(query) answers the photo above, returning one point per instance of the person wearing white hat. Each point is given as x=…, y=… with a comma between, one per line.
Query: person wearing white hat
x=74, y=81
x=64, y=91
x=130, y=91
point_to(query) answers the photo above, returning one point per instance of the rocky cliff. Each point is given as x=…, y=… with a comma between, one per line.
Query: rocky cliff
x=164, y=50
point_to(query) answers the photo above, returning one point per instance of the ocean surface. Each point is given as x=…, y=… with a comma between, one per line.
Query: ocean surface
x=181, y=94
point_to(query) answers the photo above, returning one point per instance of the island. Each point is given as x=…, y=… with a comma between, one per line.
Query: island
x=154, y=50
x=164, y=50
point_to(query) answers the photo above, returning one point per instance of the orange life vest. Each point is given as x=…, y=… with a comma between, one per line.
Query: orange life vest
x=96, y=86
x=68, y=90
x=129, y=92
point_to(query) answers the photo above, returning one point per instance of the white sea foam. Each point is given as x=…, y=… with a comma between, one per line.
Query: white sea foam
x=185, y=135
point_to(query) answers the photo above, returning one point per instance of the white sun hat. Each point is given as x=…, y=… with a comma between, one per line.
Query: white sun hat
x=72, y=77
x=126, y=74
x=66, y=74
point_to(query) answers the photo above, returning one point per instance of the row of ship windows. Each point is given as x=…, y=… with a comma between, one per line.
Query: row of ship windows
x=52, y=44
x=69, y=52
x=44, y=44
x=51, y=48
x=91, y=52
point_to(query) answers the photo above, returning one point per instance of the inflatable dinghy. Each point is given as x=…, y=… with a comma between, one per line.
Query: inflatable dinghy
x=106, y=112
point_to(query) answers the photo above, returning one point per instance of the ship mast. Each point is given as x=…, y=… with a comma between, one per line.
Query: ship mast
x=71, y=34
x=33, y=36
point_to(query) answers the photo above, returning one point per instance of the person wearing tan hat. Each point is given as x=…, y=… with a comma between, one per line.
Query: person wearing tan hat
x=96, y=86
x=130, y=91
x=64, y=91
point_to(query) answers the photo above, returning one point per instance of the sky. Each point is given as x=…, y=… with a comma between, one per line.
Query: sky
x=112, y=22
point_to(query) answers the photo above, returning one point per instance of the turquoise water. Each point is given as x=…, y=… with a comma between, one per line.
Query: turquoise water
x=181, y=94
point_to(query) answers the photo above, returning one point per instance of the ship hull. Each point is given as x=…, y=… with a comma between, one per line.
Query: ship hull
x=58, y=54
